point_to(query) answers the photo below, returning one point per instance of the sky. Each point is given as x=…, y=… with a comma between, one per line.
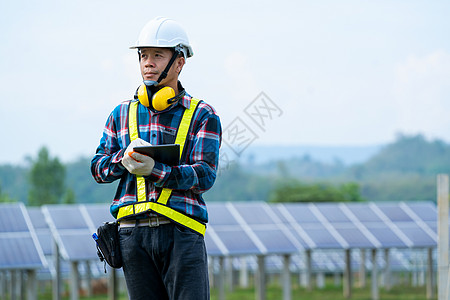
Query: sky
x=285, y=72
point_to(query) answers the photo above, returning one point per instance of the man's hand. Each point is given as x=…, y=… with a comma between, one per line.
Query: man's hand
x=136, y=143
x=136, y=163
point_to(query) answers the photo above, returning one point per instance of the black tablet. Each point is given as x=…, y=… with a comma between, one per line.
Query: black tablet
x=168, y=154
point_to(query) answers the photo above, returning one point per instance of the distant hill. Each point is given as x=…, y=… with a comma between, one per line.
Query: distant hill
x=410, y=154
x=348, y=155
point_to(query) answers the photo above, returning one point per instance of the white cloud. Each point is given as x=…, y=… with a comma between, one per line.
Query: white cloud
x=130, y=64
x=107, y=64
x=421, y=91
x=241, y=77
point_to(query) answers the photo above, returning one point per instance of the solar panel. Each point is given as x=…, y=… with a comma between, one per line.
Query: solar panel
x=237, y=241
x=394, y=212
x=362, y=212
x=37, y=218
x=274, y=240
x=19, y=245
x=264, y=227
x=72, y=229
x=332, y=212
x=12, y=218
x=321, y=237
x=79, y=245
x=416, y=234
x=98, y=213
x=66, y=217
x=254, y=213
x=211, y=247
x=426, y=211
x=43, y=232
x=353, y=236
x=19, y=252
x=46, y=241
x=385, y=235
x=218, y=214
x=433, y=226
x=300, y=212
x=302, y=237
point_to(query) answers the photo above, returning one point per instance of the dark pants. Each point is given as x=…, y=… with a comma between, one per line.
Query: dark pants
x=165, y=262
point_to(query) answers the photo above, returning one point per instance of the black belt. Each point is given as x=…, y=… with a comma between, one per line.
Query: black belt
x=150, y=222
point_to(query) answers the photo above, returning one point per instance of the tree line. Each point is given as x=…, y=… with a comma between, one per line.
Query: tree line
x=404, y=170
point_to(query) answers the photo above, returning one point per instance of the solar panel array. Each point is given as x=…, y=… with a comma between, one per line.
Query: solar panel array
x=238, y=228
x=260, y=228
x=332, y=261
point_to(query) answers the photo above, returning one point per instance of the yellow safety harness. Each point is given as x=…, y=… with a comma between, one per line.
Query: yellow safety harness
x=160, y=206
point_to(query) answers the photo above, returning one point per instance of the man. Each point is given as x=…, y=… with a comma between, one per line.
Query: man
x=160, y=208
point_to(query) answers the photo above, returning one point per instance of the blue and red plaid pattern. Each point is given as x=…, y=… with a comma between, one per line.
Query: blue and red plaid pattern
x=195, y=174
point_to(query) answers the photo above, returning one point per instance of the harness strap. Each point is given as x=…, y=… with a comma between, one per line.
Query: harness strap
x=182, y=132
x=160, y=206
x=134, y=134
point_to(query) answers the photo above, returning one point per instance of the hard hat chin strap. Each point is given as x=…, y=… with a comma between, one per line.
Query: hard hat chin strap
x=150, y=82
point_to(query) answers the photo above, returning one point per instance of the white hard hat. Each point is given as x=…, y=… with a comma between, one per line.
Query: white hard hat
x=166, y=33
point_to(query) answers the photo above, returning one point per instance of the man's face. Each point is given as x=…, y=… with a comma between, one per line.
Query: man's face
x=153, y=61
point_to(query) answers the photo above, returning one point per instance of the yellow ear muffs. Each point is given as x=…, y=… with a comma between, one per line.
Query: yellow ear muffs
x=160, y=99
x=143, y=95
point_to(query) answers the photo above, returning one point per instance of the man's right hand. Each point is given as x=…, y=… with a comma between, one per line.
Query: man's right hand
x=136, y=143
x=142, y=167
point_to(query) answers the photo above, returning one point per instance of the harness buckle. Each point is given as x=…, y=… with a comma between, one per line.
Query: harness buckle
x=153, y=224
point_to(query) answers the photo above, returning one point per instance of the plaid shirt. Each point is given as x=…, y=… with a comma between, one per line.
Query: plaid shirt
x=194, y=176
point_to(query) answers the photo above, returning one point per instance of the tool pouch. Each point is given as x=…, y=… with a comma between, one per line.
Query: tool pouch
x=108, y=246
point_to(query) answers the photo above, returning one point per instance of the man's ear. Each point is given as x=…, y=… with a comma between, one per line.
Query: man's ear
x=179, y=63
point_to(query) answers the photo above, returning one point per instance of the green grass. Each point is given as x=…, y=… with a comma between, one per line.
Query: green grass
x=274, y=292
x=328, y=293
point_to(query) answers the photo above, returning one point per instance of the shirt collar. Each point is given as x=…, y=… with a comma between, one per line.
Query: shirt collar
x=186, y=101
